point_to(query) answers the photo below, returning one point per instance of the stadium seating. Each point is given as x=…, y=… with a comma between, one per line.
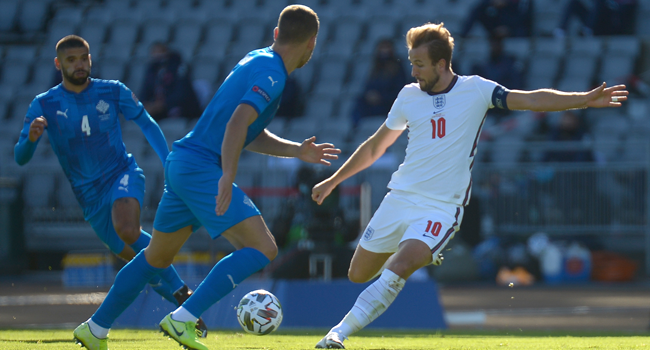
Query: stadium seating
x=33, y=14
x=542, y=70
x=518, y=47
x=94, y=31
x=135, y=76
x=321, y=106
x=579, y=66
x=155, y=30
x=60, y=27
x=213, y=35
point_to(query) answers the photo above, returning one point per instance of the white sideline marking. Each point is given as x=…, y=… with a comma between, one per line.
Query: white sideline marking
x=462, y=318
x=53, y=299
x=465, y=318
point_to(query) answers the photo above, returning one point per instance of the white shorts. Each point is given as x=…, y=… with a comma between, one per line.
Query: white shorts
x=403, y=216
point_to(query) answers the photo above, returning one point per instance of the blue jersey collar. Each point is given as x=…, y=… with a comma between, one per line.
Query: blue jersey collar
x=275, y=54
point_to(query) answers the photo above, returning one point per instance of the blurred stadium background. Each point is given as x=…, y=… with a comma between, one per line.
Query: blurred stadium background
x=601, y=205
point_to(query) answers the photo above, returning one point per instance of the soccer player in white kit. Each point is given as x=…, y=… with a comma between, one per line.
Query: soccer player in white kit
x=444, y=114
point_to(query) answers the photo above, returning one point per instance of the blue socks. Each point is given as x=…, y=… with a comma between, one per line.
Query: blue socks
x=142, y=242
x=128, y=284
x=224, y=277
x=170, y=282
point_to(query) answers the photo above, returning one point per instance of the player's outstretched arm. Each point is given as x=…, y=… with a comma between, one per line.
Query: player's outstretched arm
x=547, y=100
x=32, y=132
x=363, y=157
x=153, y=134
x=307, y=151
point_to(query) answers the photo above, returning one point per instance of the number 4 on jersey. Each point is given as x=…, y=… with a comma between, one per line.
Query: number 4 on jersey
x=125, y=180
x=85, y=127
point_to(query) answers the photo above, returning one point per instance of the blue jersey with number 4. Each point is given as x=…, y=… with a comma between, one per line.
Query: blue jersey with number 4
x=257, y=80
x=84, y=131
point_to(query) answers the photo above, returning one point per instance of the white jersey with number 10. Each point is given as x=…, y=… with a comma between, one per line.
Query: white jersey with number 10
x=443, y=131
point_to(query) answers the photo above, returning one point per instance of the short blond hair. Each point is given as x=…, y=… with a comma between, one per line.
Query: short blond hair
x=297, y=24
x=439, y=41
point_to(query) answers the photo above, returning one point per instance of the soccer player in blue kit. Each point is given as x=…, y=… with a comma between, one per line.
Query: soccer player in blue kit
x=81, y=117
x=199, y=181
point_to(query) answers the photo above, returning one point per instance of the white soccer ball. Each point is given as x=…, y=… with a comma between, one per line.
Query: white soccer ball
x=259, y=312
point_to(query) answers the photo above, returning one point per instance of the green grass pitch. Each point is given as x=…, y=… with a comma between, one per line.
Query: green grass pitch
x=367, y=340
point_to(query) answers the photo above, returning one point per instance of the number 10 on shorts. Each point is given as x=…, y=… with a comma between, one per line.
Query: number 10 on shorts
x=435, y=228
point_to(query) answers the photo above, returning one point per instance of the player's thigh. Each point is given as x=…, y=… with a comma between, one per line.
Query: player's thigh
x=173, y=213
x=127, y=196
x=386, y=227
x=380, y=239
x=252, y=232
x=125, y=215
x=366, y=264
x=99, y=218
x=164, y=246
x=411, y=256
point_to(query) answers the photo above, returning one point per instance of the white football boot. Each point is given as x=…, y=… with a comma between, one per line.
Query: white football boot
x=331, y=341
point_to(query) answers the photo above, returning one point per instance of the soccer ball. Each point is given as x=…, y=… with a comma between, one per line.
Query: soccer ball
x=259, y=312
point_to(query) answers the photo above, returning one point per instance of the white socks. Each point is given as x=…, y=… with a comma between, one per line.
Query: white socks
x=97, y=330
x=181, y=314
x=371, y=303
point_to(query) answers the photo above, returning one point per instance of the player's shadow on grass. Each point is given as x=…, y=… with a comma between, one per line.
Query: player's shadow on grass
x=63, y=340
x=49, y=341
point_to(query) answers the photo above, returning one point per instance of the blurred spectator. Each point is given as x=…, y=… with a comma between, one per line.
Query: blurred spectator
x=569, y=128
x=503, y=18
x=600, y=17
x=303, y=228
x=292, y=103
x=500, y=67
x=569, y=202
x=167, y=88
x=387, y=77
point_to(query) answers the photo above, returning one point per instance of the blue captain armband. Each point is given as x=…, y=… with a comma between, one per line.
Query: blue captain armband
x=499, y=96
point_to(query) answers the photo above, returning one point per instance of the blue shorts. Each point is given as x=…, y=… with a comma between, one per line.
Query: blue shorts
x=99, y=215
x=190, y=200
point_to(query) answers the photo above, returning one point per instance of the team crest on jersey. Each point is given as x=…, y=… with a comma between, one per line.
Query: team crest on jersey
x=102, y=106
x=439, y=101
x=368, y=234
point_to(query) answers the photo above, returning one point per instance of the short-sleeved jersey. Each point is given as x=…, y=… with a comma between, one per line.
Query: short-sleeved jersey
x=257, y=80
x=84, y=131
x=443, y=132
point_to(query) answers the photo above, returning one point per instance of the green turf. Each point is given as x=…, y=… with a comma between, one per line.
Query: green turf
x=375, y=340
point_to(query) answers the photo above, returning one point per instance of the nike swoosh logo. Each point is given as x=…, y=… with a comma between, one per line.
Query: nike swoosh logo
x=176, y=331
x=428, y=236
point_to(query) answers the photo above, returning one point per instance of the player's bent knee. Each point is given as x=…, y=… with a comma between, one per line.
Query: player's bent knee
x=270, y=251
x=357, y=276
x=158, y=260
x=405, y=268
x=128, y=233
x=126, y=254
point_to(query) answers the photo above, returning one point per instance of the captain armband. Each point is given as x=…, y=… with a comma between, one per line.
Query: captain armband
x=499, y=96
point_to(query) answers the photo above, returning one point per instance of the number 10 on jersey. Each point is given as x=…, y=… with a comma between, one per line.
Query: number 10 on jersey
x=438, y=128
